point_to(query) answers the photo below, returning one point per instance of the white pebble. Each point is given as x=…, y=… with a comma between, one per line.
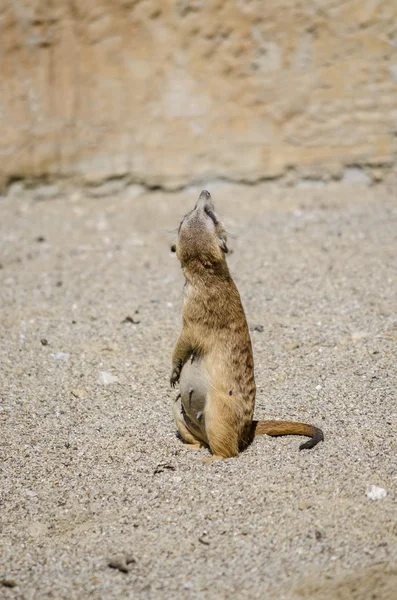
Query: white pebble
x=106, y=378
x=376, y=493
x=62, y=356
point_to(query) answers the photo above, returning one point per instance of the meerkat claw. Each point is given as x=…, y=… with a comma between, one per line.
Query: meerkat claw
x=174, y=377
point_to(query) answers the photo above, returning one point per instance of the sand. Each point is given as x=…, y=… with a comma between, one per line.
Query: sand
x=91, y=468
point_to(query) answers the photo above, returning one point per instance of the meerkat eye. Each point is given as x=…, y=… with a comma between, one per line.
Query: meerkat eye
x=173, y=248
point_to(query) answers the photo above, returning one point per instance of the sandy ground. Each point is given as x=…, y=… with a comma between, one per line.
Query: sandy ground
x=91, y=470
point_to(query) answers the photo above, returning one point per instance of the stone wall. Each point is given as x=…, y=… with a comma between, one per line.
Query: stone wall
x=168, y=92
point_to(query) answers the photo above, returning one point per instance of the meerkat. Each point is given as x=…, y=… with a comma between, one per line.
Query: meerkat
x=213, y=359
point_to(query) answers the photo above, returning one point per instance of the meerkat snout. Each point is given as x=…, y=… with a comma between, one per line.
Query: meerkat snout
x=204, y=202
x=200, y=230
x=204, y=195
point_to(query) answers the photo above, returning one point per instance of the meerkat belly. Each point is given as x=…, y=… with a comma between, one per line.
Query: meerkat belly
x=194, y=387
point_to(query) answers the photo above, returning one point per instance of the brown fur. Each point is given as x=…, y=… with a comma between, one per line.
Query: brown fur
x=215, y=335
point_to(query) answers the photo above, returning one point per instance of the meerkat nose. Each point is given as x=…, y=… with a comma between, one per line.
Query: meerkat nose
x=203, y=199
x=204, y=195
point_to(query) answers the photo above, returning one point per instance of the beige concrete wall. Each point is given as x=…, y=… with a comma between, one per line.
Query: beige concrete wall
x=167, y=92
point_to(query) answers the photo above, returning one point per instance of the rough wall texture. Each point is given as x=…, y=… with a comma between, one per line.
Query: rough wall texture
x=167, y=92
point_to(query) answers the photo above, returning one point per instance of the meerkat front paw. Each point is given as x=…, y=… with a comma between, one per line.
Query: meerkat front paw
x=175, y=376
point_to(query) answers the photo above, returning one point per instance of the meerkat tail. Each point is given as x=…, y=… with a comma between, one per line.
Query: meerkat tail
x=288, y=428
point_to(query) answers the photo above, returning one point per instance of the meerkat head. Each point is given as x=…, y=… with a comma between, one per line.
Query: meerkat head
x=201, y=235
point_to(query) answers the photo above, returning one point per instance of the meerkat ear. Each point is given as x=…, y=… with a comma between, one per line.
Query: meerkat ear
x=222, y=244
x=173, y=248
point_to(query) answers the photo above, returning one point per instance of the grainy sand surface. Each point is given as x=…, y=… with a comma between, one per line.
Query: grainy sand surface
x=91, y=470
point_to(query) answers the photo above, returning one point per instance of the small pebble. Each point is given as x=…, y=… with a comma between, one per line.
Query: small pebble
x=130, y=320
x=203, y=541
x=291, y=345
x=107, y=378
x=305, y=505
x=163, y=467
x=122, y=562
x=79, y=393
x=376, y=493
x=9, y=583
